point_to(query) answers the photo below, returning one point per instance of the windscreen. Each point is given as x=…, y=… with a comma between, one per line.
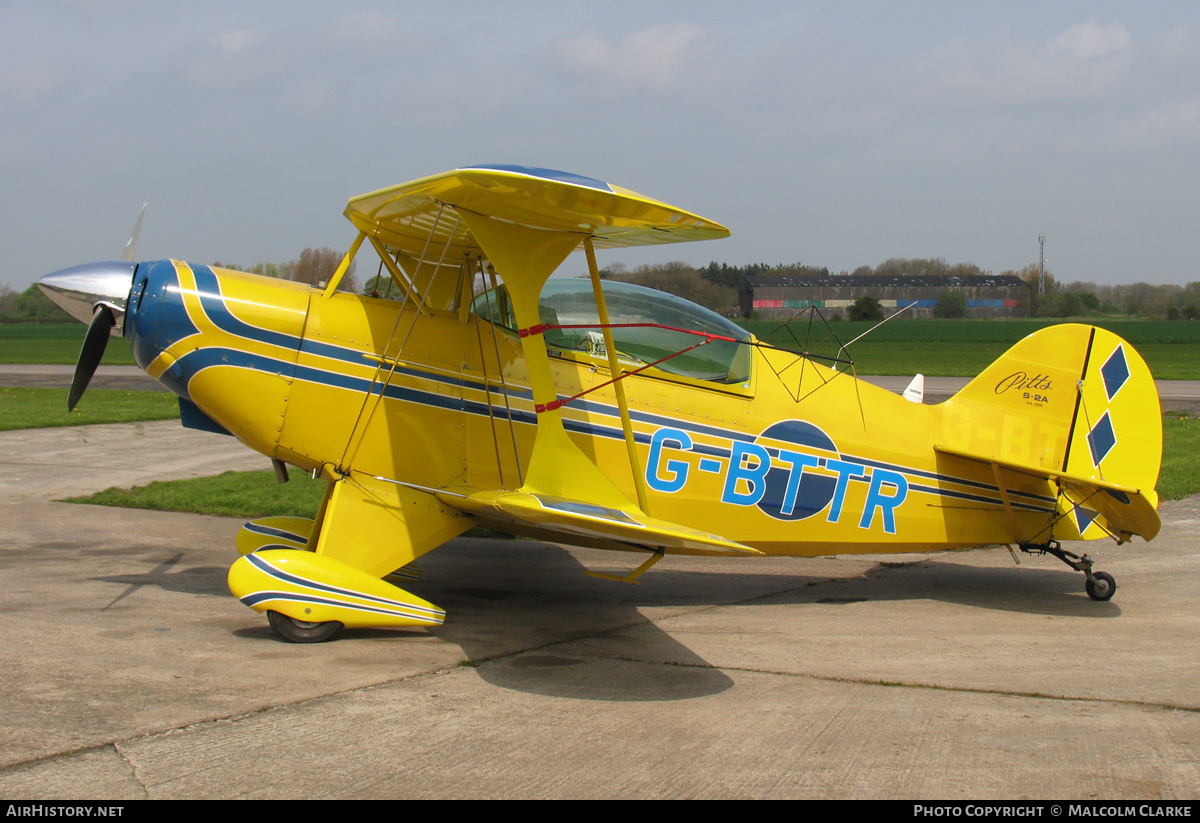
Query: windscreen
x=570, y=302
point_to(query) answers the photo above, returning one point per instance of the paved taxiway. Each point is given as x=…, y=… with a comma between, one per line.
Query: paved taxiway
x=127, y=670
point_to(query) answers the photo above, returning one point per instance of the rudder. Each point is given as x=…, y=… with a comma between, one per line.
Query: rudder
x=1076, y=404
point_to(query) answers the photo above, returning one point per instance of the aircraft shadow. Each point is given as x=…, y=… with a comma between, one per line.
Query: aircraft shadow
x=536, y=593
x=1044, y=591
x=504, y=597
x=515, y=608
x=533, y=599
x=208, y=580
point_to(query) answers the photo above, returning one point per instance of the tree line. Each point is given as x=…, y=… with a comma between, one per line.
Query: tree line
x=314, y=267
x=716, y=286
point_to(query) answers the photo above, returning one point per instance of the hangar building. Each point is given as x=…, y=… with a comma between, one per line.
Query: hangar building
x=778, y=297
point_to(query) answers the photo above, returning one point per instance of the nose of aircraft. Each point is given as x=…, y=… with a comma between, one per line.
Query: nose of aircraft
x=79, y=289
x=95, y=293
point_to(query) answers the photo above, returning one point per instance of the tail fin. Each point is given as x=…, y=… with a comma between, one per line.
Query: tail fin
x=1075, y=404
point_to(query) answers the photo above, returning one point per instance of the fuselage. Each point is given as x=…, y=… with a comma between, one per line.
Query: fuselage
x=792, y=459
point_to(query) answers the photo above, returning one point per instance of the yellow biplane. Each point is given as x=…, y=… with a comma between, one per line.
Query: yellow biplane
x=596, y=413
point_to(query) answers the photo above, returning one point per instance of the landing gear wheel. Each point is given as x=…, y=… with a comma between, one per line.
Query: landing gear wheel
x=300, y=631
x=1103, y=588
x=1099, y=585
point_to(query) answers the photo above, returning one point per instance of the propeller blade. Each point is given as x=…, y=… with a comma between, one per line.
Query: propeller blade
x=131, y=244
x=89, y=356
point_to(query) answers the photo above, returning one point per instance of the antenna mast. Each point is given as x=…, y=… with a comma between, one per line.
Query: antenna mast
x=1041, y=264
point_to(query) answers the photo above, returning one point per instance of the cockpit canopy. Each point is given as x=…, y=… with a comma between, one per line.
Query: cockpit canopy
x=570, y=302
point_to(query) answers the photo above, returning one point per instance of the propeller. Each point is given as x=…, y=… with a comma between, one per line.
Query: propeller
x=99, y=330
x=96, y=294
x=131, y=244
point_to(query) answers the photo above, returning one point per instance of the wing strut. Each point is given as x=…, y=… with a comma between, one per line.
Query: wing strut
x=389, y=360
x=344, y=266
x=508, y=415
x=525, y=258
x=633, y=576
x=512, y=431
x=397, y=276
x=614, y=367
x=1008, y=509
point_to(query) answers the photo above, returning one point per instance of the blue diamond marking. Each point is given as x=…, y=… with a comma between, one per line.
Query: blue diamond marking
x=1116, y=495
x=1115, y=372
x=1101, y=439
x=1083, y=518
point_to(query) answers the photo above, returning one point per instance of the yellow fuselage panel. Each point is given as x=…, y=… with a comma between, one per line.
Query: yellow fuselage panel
x=788, y=468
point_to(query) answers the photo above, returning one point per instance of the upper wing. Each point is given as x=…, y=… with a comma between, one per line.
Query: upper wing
x=407, y=216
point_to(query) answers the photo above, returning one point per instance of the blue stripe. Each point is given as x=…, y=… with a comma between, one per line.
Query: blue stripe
x=659, y=420
x=978, y=498
x=197, y=361
x=273, y=532
x=594, y=430
x=252, y=600
x=209, y=287
x=266, y=568
x=654, y=419
x=945, y=478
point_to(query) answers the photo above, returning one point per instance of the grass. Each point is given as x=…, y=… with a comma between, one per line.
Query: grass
x=951, y=348
x=27, y=408
x=232, y=494
x=1180, y=475
x=56, y=343
x=962, y=348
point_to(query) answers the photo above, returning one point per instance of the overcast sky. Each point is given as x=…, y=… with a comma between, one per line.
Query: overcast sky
x=835, y=134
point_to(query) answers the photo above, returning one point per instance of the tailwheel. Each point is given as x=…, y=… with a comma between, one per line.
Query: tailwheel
x=1100, y=586
x=301, y=631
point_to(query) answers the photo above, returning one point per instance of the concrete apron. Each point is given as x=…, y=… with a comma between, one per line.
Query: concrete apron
x=127, y=670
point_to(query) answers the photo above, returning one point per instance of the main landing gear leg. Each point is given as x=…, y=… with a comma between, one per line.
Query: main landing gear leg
x=1099, y=585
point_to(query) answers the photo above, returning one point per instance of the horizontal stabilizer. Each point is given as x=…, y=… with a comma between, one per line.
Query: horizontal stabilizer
x=1124, y=513
x=1124, y=509
x=569, y=518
